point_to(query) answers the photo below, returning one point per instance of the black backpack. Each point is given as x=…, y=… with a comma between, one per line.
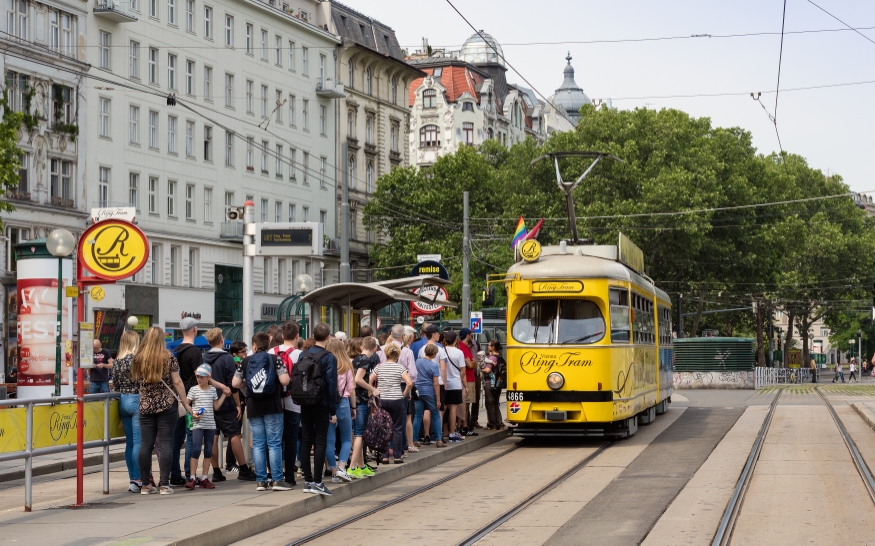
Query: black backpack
x=306, y=386
x=500, y=371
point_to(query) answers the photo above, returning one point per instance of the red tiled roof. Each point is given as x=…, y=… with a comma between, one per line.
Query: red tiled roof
x=456, y=79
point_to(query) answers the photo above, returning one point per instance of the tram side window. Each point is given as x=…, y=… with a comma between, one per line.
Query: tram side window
x=664, y=325
x=620, y=320
x=642, y=319
x=536, y=322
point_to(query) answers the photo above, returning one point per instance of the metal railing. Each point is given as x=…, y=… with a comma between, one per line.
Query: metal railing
x=29, y=452
x=767, y=377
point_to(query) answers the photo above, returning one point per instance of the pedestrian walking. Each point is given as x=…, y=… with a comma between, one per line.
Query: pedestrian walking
x=852, y=368
x=494, y=379
x=129, y=404
x=813, y=371
x=839, y=374
x=156, y=369
x=343, y=427
x=390, y=375
x=204, y=401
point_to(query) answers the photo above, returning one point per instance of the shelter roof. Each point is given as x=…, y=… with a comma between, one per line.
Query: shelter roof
x=376, y=295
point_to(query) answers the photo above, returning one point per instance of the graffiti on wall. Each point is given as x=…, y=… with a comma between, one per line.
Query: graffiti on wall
x=713, y=380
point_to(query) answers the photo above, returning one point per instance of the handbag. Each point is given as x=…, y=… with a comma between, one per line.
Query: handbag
x=180, y=409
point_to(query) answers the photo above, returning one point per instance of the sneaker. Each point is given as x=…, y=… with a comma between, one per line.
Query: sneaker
x=134, y=487
x=354, y=473
x=232, y=468
x=472, y=433
x=343, y=476
x=320, y=489
x=335, y=479
x=191, y=483
x=270, y=484
x=166, y=490
x=207, y=484
x=179, y=480
x=261, y=486
x=308, y=487
x=218, y=476
x=426, y=441
x=281, y=486
x=371, y=468
x=246, y=474
x=440, y=443
x=455, y=437
x=366, y=471
x=148, y=489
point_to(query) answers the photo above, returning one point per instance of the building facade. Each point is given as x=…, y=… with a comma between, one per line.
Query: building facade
x=374, y=120
x=465, y=99
x=218, y=103
x=43, y=65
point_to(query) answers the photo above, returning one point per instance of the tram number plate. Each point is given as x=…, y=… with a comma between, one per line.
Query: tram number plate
x=515, y=396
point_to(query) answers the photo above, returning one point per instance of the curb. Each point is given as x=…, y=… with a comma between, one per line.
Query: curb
x=866, y=413
x=61, y=466
x=274, y=517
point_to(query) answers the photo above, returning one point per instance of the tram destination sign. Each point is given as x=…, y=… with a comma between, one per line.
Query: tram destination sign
x=289, y=239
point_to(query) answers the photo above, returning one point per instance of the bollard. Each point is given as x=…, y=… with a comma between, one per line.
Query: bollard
x=28, y=462
x=106, y=446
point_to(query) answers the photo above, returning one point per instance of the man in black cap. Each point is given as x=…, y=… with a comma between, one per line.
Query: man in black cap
x=189, y=357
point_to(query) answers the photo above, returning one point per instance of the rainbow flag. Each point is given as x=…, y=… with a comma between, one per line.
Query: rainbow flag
x=520, y=233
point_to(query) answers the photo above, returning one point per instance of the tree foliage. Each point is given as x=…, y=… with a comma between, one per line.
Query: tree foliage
x=10, y=154
x=688, y=193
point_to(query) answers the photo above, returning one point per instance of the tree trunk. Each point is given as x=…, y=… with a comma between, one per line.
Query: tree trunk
x=729, y=328
x=698, y=317
x=804, y=325
x=791, y=315
x=761, y=356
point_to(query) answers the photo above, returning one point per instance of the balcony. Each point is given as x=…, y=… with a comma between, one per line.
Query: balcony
x=62, y=202
x=352, y=143
x=231, y=230
x=394, y=156
x=110, y=10
x=328, y=90
x=370, y=148
x=18, y=195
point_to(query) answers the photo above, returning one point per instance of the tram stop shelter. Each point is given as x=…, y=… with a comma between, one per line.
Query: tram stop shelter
x=376, y=295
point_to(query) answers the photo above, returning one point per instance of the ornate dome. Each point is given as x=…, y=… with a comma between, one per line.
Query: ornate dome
x=569, y=97
x=477, y=51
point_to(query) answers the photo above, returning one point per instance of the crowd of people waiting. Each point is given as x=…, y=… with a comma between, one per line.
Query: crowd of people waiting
x=307, y=402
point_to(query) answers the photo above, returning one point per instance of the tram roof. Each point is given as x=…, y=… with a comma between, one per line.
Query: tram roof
x=581, y=262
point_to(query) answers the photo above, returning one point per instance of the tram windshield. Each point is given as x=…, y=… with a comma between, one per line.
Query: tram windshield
x=559, y=322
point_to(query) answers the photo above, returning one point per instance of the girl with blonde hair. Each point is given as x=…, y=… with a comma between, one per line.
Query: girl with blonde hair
x=157, y=369
x=345, y=413
x=129, y=404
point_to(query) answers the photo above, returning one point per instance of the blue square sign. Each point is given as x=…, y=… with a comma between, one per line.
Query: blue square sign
x=476, y=323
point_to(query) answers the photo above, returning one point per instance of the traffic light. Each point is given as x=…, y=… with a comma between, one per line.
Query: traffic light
x=234, y=213
x=489, y=297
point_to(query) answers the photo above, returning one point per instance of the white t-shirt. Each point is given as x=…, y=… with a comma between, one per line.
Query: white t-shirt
x=441, y=355
x=852, y=367
x=455, y=365
x=296, y=354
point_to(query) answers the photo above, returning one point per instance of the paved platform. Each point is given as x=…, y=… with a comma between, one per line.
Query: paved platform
x=233, y=511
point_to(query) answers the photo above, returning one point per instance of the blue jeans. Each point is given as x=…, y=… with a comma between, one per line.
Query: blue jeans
x=344, y=425
x=361, y=419
x=128, y=410
x=427, y=403
x=98, y=387
x=267, y=430
x=180, y=435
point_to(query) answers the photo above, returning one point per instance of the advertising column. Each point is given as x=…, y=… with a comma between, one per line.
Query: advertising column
x=37, y=321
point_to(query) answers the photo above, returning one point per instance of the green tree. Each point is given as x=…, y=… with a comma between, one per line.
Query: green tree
x=10, y=153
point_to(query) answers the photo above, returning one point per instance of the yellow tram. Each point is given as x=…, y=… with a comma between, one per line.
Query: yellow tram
x=589, y=341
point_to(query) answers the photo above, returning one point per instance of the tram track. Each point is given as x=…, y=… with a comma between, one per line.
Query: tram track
x=733, y=509
x=497, y=522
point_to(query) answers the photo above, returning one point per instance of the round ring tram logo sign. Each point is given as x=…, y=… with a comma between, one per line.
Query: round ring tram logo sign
x=113, y=249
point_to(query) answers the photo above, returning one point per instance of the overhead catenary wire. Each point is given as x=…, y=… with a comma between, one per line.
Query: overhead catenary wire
x=778, y=85
x=842, y=22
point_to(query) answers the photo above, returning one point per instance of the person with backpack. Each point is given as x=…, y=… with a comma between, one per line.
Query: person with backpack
x=264, y=375
x=364, y=360
x=390, y=375
x=314, y=387
x=343, y=427
x=494, y=379
x=288, y=353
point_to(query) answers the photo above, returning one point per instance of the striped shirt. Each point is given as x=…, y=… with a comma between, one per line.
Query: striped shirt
x=389, y=380
x=203, y=399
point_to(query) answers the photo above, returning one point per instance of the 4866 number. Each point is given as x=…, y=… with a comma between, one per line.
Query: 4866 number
x=515, y=396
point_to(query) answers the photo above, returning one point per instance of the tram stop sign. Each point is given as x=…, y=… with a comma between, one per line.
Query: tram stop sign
x=476, y=322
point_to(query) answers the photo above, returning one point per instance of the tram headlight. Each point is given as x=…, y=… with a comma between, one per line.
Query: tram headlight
x=555, y=381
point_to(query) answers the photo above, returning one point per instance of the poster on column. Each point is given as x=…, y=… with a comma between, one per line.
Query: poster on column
x=37, y=330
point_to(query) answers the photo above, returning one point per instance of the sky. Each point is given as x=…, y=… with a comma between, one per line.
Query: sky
x=831, y=127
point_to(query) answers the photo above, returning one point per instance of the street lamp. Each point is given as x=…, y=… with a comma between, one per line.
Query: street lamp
x=60, y=243
x=303, y=284
x=132, y=322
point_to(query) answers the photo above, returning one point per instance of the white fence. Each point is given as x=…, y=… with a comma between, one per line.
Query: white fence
x=767, y=377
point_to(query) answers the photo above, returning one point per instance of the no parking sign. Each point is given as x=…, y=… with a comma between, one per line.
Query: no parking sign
x=476, y=322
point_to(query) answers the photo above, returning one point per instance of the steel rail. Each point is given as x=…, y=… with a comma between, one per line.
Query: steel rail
x=727, y=522
x=401, y=498
x=859, y=462
x=500, y=520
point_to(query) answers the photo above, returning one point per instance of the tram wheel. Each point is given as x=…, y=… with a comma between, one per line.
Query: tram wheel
x=662, y=407
x=647, y=416
x=631, y=426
